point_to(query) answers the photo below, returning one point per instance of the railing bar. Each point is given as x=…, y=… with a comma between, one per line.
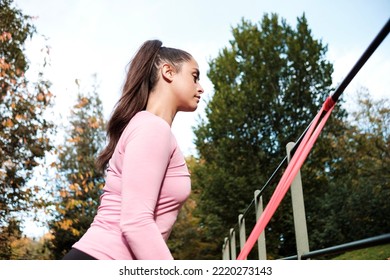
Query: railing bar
x=233, y=249
x=373, y=241
x=360, y=244
x=272, y=177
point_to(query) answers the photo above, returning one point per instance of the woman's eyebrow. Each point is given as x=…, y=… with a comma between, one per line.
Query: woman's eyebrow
x=196, y=70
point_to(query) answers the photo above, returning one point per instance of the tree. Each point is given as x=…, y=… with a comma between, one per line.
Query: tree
x=80, y=184
x=24, y=131
x=26, y=248
x=268, y=85
x=8, y=235
x=359, y=190
x=186, y=242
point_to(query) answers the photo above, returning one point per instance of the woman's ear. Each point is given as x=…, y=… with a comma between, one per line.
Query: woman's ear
x=167, y=72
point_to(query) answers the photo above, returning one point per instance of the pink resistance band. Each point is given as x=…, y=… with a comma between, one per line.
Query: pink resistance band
x=292, y=169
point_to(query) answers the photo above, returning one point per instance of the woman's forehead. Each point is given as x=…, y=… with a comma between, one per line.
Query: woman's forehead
x=192, y=64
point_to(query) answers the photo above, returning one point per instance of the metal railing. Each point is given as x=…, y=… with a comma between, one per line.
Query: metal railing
x=229, y=246
x=229, y=250
x=346, y=247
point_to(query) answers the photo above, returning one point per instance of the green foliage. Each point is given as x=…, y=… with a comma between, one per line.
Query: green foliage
x=24, y=130
x=8, y=235
x=355, y=204
x=26, y=248
x=381, y=252
x=80, y=183
x=186, y=241
x=15, y=246
x=269, y=84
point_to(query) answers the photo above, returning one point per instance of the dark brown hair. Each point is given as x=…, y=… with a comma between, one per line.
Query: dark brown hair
x=142, y=76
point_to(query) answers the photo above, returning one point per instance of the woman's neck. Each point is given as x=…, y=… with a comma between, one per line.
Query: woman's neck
x=161, y=107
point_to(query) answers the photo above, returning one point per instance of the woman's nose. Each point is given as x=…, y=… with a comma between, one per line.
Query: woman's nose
x=200, y=89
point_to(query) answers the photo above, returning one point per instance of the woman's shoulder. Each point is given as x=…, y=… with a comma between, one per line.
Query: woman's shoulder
x=146, y=123
x=145, y=120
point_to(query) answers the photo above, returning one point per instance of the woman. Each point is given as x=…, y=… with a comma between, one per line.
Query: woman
x=147, y=178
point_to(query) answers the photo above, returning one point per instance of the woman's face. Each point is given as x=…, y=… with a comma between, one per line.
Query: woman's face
x=186, y=87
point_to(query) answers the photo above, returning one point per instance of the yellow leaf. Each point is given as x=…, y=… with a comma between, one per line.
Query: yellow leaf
x=93, y=122
x=19, y=117
x=72, y=187
x=79, y=130
x=82, y=103
x=75, y=139
x=8, y=123
x=63, y=193
x=65, y=224
x=41, y=96
x=5, y=36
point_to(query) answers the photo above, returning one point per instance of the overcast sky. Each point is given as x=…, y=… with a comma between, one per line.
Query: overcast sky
x=101, y=36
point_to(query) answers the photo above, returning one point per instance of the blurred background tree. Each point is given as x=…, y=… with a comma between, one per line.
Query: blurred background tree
x=24, y=128
x=355, y=204
x=79, y=184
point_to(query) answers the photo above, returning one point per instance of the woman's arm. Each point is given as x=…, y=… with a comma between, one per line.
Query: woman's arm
x=145, y=162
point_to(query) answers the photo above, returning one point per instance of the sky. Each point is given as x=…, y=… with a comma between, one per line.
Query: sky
x=100, y=37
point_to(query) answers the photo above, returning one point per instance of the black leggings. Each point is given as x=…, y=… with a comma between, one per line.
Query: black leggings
x=75, y=254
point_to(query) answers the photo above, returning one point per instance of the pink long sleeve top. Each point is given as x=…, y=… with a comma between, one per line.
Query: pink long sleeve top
x=147, y=183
